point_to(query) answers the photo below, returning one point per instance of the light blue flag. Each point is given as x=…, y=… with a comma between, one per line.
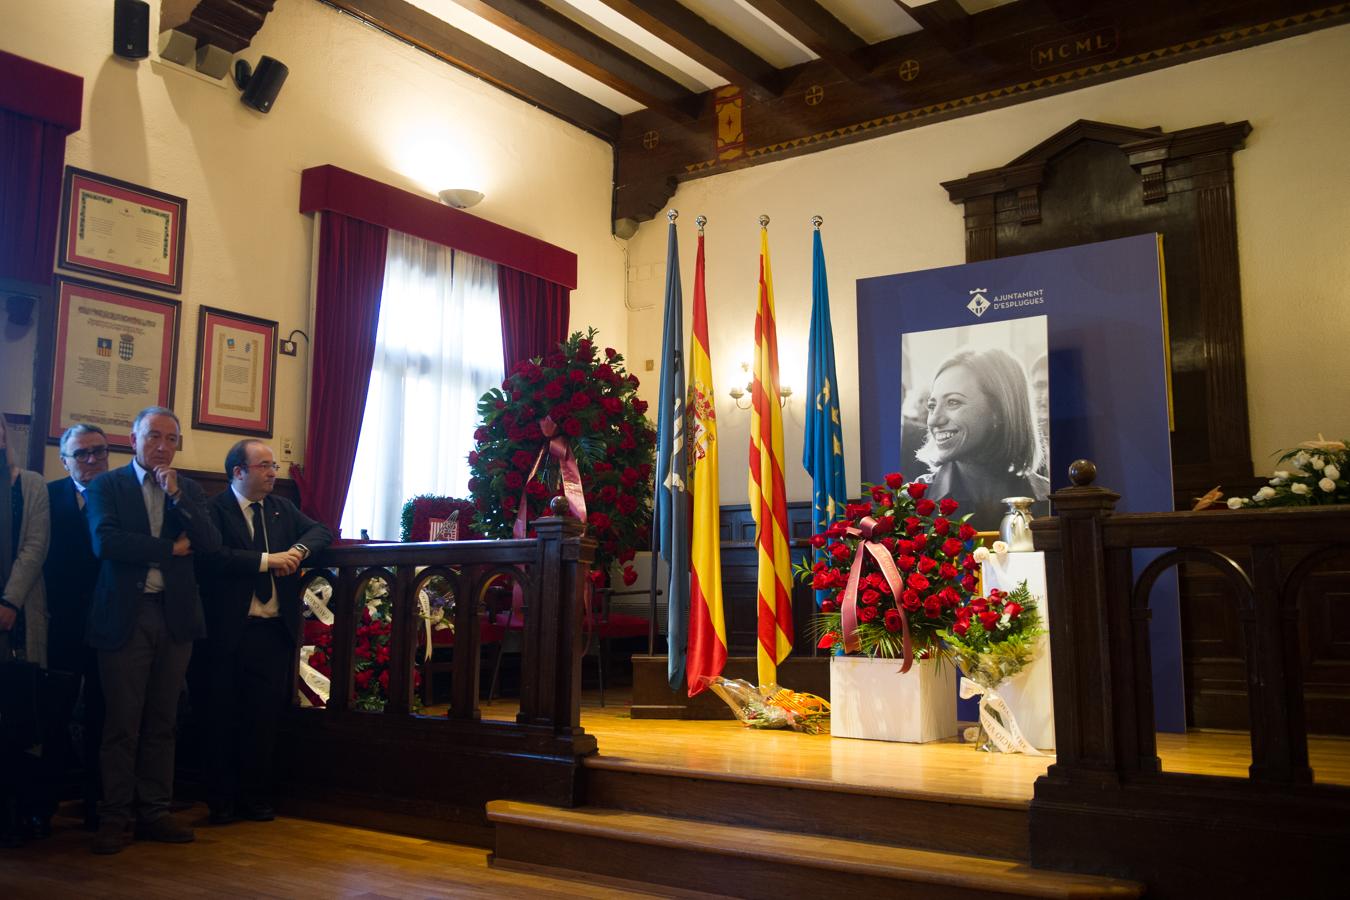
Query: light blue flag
x=672, y=498
x=823, y=453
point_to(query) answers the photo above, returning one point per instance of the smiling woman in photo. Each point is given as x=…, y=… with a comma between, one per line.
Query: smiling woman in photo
x=982, y=443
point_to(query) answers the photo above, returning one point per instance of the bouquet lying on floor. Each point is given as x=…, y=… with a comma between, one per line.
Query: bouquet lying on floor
x=770, y=706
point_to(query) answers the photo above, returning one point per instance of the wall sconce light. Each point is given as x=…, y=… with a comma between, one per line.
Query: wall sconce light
x=460, y=198
x=738, y=393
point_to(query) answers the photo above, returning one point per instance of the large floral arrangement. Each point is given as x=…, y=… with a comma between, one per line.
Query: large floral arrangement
x=585, y=398
x=1314, y=472
x=933, y=555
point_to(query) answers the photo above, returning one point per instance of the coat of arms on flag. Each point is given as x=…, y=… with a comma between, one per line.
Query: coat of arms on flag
x=126, y=347
x=105, y=346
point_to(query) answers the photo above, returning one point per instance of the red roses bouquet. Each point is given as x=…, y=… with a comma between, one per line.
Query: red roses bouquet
x=994, y=637
x=372, y=651
x=897, y=568
x=567, y=424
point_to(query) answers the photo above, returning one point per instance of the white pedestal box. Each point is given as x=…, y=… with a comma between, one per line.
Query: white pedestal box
x=870, y=699
x=1029, y=695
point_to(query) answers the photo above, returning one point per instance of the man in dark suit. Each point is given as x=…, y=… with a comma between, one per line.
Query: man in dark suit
x=146, y=522
x=251, y=587
x=71, y=570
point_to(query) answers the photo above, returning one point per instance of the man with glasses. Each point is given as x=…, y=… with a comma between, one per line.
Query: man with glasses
x=251, y=588
x=147, y=522
x=71, y=570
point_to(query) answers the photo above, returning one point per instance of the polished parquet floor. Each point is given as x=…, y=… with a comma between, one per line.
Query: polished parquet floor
x=302, y=859
x=952, y=769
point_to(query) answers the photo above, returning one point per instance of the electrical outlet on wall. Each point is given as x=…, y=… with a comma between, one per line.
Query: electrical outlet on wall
x=287, y=348
x=288, y=448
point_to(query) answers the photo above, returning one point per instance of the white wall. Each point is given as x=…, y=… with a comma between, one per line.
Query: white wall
x=885, y=213
x=354, y=98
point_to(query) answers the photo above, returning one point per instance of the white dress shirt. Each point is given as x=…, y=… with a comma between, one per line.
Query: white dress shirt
x=272, y=608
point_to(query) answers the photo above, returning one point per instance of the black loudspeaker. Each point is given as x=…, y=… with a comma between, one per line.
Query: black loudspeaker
x=262, y=86
x=131, y=29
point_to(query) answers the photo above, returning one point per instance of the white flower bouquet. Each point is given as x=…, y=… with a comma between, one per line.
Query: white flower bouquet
x=1312, y=473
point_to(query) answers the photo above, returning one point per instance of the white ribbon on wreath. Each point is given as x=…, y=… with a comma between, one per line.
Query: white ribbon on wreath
x=315, y=680
x=1005, y=734
x=316, y=598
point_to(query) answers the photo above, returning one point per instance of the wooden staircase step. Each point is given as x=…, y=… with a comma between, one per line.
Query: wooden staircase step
x=755, y=862
x=923, y=820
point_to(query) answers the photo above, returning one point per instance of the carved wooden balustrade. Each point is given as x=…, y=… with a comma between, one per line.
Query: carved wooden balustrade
x=432, y=775
x=1106, y=805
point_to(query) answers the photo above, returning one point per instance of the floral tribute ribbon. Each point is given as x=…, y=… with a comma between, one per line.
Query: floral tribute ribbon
x=556, y=446
x=1005, y=734
x=848, y=606
x=316, y=681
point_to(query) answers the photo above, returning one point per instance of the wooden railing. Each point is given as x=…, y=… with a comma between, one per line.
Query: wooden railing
x=1106, y=805
x=433, y=774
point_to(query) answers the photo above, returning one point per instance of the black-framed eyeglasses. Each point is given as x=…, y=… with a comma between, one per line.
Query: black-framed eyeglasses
x=84, y=454
x=275, y=467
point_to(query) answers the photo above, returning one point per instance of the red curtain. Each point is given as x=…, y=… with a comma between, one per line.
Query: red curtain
x=346, y=314
x=31, y=156
x=534, y=315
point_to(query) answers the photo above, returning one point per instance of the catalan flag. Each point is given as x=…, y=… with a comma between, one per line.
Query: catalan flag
x=707, y=624
x=768, y=496
x=672, y=500
x=823, y=453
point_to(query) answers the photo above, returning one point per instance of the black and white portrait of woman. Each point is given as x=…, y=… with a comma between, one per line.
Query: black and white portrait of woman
x=975, y=418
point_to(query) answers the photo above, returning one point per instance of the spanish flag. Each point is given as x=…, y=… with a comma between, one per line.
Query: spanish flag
x=707, y=624
x=768, y=495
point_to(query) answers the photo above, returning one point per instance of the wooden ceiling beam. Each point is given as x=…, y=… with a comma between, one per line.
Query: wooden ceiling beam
x=945, y=20
x=585, y=51
x=420, y=29
x=817, y=28
x=686, y=31
x=228, y=24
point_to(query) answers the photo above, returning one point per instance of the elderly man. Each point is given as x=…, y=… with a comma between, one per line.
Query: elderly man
x=71, y=571
x=146, y=521
x=251, y=589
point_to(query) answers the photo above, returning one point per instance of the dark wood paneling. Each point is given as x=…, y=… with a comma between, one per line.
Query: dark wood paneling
x=1106, y=805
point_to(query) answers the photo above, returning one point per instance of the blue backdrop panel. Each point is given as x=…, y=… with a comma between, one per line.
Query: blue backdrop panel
x=1107, y=375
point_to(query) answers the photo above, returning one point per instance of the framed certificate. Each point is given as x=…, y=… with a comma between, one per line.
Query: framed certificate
x=121, y=230
x=116, y=353
x=236, y=373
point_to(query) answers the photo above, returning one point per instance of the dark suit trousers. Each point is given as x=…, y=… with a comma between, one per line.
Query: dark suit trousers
x=249, y=693
x=67, y=652
x=142, y=682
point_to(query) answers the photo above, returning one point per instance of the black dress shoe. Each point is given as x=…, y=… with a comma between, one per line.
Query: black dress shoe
x=221, y=815
x=164, y=830
x=111, y=838
x=257, y=812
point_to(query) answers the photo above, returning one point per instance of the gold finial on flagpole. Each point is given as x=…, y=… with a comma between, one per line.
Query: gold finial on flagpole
x=763, y=221
x=816, y=221
x=700, y=222
x=672, y=215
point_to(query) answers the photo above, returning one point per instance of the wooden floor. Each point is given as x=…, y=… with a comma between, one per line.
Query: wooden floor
x=951, y=769
x=297, y=858
x=286, y=858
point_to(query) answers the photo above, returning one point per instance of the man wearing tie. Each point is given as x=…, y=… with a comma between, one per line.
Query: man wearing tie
x=71, y=570
x=252, y=596
x=146, y=522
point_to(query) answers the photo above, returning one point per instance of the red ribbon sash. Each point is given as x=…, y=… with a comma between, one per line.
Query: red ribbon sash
x=848, y=604
x=556, y=446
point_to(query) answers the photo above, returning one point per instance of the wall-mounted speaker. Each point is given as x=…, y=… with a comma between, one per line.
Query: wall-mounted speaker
x=260, y=85
x=131, y=29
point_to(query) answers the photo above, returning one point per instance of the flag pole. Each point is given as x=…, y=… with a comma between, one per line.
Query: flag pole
x=671, y=216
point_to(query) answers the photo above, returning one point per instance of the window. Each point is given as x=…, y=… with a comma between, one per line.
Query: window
x=438, y=348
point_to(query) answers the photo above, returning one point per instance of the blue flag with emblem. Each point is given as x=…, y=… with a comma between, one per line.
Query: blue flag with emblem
x=823, y=453
x=672, y=498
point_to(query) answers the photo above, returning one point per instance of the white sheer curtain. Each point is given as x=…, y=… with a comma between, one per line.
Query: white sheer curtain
x=438, y=348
